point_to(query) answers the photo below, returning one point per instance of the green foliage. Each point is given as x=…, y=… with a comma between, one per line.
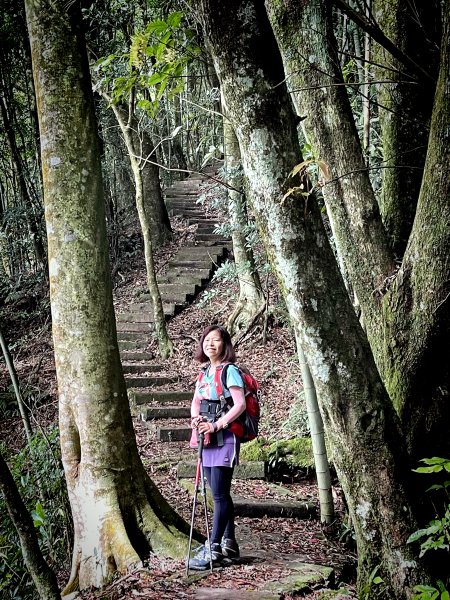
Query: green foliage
x=436, y=535
x=373, y=587
x=153, y=66
x=39, y=477
x=428, y=592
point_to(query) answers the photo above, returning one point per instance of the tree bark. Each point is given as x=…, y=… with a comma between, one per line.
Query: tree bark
x=360, y=421
x=118, y=512
x=251, y=301
x=405, y=105
x=43, y=577
x=316, y=84
x=155, y=208
x=417, y=308
x=385, y=294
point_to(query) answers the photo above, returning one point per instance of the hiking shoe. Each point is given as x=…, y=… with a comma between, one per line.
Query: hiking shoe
x=201, y=562
x=230, y=548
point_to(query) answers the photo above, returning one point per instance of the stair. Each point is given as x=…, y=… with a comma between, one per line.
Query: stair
x=157, y=398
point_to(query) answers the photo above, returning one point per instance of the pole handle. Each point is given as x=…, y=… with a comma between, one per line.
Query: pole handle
x=201, y=441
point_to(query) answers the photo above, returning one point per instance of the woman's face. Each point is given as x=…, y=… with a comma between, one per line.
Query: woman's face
x=213, y=345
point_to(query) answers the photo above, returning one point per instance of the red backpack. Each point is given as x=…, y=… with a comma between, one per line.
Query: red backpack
x=246, y=425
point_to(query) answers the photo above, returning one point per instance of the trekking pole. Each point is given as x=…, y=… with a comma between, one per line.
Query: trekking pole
x=205, y=506
x=199, y=478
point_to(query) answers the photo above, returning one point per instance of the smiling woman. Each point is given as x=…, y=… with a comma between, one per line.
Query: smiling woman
x=221, y=450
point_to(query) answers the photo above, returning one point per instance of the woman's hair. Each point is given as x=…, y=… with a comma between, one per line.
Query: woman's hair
x=228, y=354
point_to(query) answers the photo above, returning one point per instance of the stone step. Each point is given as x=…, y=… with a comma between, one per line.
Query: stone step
x=130, y=326
x=285, y=509
x=175, y=292
x=143, y=315
x=199, y=251
x=146, y=307
x=133, y=336
x=160, y=396
x=166, y=412
x=146, y=310
x=130, y=344
x=129, y=355
x=173, y=434
x=183, y=279
x=139, y=368
x=245, y=470
x=187, y=213
x=137, y=382
x=187, y=263
x=258, y=509
x=200, y=274
x=182, y=201
x=203, y=219
x=211, y=237
x=206, y=228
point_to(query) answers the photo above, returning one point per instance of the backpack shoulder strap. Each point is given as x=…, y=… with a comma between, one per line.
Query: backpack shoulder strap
x=201, y=373
x=218, y=379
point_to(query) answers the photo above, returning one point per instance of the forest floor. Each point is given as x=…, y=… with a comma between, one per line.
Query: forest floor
x=269, y=546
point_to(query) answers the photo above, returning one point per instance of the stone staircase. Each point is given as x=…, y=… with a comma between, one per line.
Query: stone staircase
x=158, y=398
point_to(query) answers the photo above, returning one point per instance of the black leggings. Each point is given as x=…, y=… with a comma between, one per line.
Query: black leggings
x=219, y=479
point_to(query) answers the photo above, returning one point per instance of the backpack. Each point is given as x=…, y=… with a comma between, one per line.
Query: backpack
x=245, y=427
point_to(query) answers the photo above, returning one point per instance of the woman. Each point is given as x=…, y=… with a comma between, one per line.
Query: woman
x=219, y=461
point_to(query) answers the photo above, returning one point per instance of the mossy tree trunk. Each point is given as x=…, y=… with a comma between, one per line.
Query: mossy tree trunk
x=361, y=423
x=402, y=330
x=118, y=513
x=251, y=301
x=405, y=105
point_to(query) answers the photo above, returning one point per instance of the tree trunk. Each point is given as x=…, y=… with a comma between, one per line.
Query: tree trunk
x=417, y=308
x=43, y=577
x=405, y=109
x=165, y=344
x=251, y=300
x=360, y=421
x=153, y=201
x=399, y=347
x=20, y=403
x=118, y=512
x=318, y=90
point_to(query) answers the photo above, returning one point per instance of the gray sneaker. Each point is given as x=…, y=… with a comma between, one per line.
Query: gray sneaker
x=201, y=562
x=230, y=548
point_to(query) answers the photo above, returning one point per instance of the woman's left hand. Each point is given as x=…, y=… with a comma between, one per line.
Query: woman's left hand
x=206, y=427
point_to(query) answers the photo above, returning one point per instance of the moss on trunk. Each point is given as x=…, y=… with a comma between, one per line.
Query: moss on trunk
x=118, y=514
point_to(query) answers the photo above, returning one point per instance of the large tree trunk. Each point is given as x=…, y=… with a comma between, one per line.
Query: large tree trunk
x=118, y=513
x=417, y=306
x=317, y=90
x=390, y=318
x=358, y=415
x=405, y=105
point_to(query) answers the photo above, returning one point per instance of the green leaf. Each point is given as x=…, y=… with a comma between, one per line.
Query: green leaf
x=174, y=19
x=154, y=79
x=156, y=27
